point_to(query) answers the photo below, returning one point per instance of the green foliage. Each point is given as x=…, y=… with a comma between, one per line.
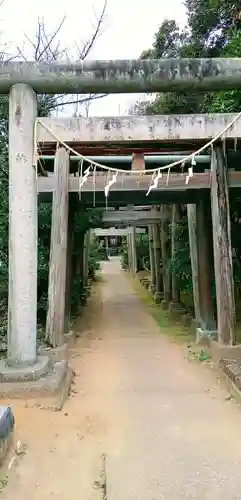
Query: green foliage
x=3, y=212
x=93, y=259
x=78, y=295
x=124, y=254
x=180, y=264
x=210, y=22
x=223, y=101
x=142, y=252
x=44, y=230
x=213, y=30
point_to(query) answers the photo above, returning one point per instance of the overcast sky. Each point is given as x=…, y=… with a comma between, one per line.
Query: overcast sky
x=128, y=30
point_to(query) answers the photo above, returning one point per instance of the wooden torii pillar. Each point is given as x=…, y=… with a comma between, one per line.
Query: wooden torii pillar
x=199, y=223
x=156, y=233
x=175, y=222
x=128, y=244
x=223, y=265
x=86, y=258
x=152, y=286
x=55, y=324
x=69, y=268
x=167, y=289
x=131, y=249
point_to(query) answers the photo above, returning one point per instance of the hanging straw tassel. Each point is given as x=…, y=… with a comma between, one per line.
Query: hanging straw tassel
x=94, y=186
x=190, y=170
x=155, y=180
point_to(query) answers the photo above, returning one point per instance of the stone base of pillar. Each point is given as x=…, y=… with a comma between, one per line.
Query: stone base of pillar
x=56, y=354
x=6, y=430
x=229, y=352
x=164, y=305
x=205, y=337
x=232, y=370
x=158, y=297
x=187, y=319
x=24, y=373
x=70, y=339
x=144, y=280
x=146, y=284
x=175, y=309
x=152, y=289
x=194, y=325
x=46, y=382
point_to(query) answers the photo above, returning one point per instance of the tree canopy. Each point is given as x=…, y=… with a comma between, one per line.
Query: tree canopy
x=213, y=29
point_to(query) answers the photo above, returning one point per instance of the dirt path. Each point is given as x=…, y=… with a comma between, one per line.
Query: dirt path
x=166, y=429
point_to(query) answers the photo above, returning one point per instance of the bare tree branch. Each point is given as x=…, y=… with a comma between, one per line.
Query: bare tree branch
x=38, y=41
x=84, y=51
x=79, y=101
x=43, y=44
x=48, y=42
x=89, y=44
x=47, y=47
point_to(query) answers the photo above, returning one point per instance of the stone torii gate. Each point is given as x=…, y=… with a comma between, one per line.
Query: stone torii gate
x=22, y=81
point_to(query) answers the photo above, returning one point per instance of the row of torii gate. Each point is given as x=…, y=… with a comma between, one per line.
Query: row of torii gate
x=51, y=173
x=162, y=281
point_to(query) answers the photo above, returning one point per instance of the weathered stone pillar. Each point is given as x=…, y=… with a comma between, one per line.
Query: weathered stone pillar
x=22, y=298
x=222, y=246
x=165, y=257
x=152, y=286
x=157, y=261
x=58, y=251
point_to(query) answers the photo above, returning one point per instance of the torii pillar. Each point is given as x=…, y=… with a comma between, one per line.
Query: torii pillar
x=223, y=265
x=199, y=225
x=22, y=300
x=152, y=286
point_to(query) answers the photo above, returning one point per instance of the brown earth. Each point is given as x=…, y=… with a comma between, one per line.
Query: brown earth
x=156, y=426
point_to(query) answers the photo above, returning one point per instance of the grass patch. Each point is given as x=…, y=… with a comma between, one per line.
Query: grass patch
x=99, y=278
x=3, y=483
x=170, y=327
x=173, y=329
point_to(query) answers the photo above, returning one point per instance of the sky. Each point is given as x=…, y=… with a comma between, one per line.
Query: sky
x=128, y=29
